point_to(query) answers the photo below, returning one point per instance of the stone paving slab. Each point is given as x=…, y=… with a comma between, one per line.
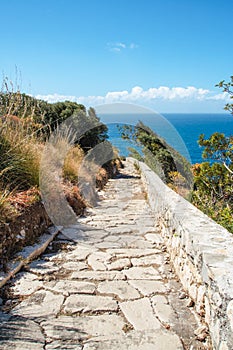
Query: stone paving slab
x=121, y=289
x=75, y=265
x=148, y=287
x=158, y=340
x=140, y=314
x=133, y=253
x=162, y=309
x=105, y=283
x=41, y=303
x=67, y=287
x=89, y=303
x=26, y=284
x=143, y=273
x=119, y=264
x=44, y=267
x=148, y=260
x=21, y=333
x=91, y=275
x=83, y=328
x=64, y=345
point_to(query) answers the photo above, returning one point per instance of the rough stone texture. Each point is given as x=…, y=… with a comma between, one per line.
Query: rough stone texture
x=122, y=289
x=66, y=345
x=20, y=333
x=143, y=273
x=148, y=260
x=230, y=313
x=75, y=265
x=119, y=264
x=72, y=287
x=154, y=238
x=26, y=284
x=89, y=303
x=201, y=252
x=80, y=253
x=81, y=328
x=132, y=253
x=98, y=275
x=163, y=310
x=140, y=314
x=43, y=267
x=156, y=340
x=147, y=287
x=41, y=303
x=104, y=283
x=96, y=260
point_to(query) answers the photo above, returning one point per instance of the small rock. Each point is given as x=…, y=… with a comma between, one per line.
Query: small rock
x=22, y=233
x=1, y=301
x=201, y=333
x=202, y=311
x=200, y=330
x=182, y=295
x=202, y=336
x=166, y=325
x=49, y=340
x=190, y=303
x=127, y=328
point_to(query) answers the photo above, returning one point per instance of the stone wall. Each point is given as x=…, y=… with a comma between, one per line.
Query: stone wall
x=202, y=254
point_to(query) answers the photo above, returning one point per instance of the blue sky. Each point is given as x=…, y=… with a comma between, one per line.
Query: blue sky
x=163, y=54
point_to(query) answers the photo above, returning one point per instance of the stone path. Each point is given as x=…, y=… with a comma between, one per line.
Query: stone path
x=106, y=284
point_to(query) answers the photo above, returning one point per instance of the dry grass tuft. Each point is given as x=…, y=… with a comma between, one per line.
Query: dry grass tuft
x=72, y=163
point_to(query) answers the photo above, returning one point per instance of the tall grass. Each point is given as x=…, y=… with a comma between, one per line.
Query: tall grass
x=72, y=163
x=20, y=155
x=26, y=160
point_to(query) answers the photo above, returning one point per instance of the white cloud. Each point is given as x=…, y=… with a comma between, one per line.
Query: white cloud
x=222, y=96
x=139, y=95
x=133, y=46
x=116, y=95
x=119, y=46
x=56, y=98
x=115, y=49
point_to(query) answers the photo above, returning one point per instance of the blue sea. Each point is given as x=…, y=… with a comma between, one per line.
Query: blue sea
x=181, y=131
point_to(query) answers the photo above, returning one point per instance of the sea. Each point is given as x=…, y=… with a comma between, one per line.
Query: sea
x=180, y=130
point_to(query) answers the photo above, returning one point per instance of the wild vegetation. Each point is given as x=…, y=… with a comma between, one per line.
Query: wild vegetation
x=213, y=179
x=25, y=125
x=163, y=159
x=208, y=185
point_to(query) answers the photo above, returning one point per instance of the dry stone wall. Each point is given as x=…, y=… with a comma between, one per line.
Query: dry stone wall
x=202, y=254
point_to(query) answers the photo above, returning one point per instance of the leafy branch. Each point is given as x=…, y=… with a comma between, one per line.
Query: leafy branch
x=227, y=87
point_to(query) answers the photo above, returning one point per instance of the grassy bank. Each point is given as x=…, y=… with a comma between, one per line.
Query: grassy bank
x=26, y=124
